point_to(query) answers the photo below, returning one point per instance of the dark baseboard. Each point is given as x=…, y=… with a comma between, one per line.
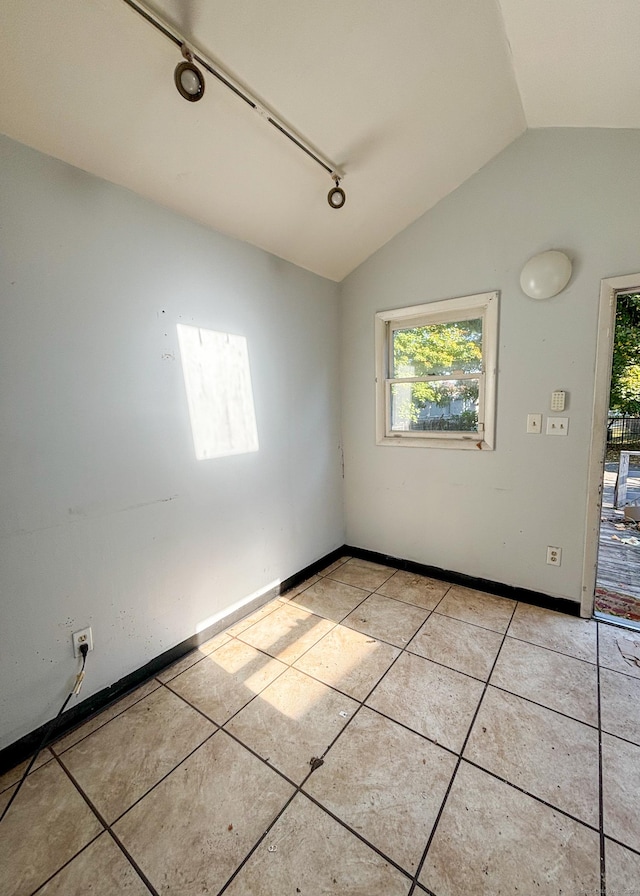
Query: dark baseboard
x=23, y=748
x=26, y=746
x=537, y=598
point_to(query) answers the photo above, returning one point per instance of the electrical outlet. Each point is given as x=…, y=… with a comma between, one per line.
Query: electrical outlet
x=82, y=637
x=554, y=556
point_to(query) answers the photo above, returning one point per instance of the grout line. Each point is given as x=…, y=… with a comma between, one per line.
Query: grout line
x=258, y=842
x=225, y=631
x=355, y=833
x=5, y=787
x=153, y=786
x=132, y=861
x=419, y=734
x=544, y=706
x=533, y=796
x=264, y=761
x=483, y=628
x=97, y=714
x=624, y=846
x=553, y=650
x=107, y=828
x=68, y=862
x=603, y=878
x=455, y=771
x=625, y=740
x=298, y=788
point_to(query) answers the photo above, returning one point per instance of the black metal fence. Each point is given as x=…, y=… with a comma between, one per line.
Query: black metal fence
x=623, y=434
x=457, y=423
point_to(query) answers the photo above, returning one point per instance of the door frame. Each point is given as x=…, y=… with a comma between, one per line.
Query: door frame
x=609, y=289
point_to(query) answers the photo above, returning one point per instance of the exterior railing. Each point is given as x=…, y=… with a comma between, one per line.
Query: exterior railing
x=623, y=433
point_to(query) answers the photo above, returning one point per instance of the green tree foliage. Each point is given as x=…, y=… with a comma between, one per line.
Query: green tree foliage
x=438, y=349
x=625, y=375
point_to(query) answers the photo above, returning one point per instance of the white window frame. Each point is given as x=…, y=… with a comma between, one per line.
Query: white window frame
x=483, y=305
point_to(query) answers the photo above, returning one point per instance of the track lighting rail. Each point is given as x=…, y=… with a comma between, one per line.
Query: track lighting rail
x=214, y=69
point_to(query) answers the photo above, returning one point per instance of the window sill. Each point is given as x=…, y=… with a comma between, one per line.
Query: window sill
x=468, y=443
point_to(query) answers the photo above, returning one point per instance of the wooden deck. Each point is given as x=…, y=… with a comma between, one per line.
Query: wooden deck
x=618, y=556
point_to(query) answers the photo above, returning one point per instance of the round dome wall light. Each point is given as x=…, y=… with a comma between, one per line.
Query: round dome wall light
x=336, y=197
x=545, y=275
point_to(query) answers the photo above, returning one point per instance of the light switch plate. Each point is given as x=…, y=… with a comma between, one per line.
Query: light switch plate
x=534, y=422
x=557, y=426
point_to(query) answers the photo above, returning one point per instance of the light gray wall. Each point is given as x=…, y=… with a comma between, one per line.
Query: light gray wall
x=492, y=514
x=107, y=519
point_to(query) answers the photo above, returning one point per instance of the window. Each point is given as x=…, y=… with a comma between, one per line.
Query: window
x=436, y=373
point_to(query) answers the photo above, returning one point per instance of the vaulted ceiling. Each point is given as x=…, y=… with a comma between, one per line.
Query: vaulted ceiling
x=409, y=97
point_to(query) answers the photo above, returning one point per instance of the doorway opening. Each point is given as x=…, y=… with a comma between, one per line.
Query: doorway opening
x=613, y=588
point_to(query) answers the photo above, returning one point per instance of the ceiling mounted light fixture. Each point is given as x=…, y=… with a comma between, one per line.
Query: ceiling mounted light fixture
x=188, y=78
x=336, y=197
x=545, y=275
x=189, y=82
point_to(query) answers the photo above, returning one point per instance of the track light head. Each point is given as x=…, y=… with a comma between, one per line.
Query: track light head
x=189, y=79
x=336, y=197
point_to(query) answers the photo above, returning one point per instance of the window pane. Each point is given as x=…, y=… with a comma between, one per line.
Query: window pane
x=436, y=406
x=438, y=349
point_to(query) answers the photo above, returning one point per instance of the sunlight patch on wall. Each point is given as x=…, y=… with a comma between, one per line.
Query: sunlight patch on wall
x=201, y=626
x=217, y=379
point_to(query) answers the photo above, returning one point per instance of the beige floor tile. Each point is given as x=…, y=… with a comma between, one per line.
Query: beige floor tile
x=553, y=679
x=298, y=589
x=362, y=574
x=610, y=656
x=348, y=660
x=620, y=704
x=6, y=795
x=190, y=659
x=11, y=777
x=331, y=599
x=386, y=783
x=101, y=870
x=333, y=566
x=192, y=831
x=254, y=617
x=73, y=737
x=477, y=607
x=493, y=839
x=226, y=680
x=287, y=633
x=369, y=564
x=292, y=721
x=620, y=790
x=386, y=619
x=546, y=754
x=557, y=631
x=436, y=702
x=623, y=870
x=458, y=645
x=47, y=824
x=414, y=589
x=307, y=852
x=119, y=762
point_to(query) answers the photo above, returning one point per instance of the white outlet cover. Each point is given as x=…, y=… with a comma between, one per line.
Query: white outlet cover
x=84, y=636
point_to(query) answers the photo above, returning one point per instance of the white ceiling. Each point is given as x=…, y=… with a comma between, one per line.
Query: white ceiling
x=410, y=97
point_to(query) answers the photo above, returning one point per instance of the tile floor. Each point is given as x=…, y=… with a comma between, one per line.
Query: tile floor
x=469, y=745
